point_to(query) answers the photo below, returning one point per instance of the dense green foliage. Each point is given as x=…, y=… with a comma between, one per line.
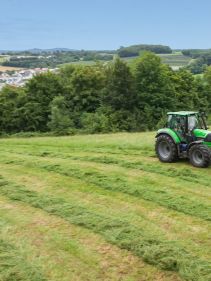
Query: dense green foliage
x=194, y=53
x=201, y=59
x=103, y=97
x=134, y=50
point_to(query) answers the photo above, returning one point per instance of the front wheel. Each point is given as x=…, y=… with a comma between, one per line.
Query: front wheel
x=199, y=156
x=166, y=149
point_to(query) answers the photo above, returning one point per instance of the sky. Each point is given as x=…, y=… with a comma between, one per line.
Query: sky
x=104, y=24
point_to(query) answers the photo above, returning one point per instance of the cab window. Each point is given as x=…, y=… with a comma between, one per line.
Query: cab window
x=177, y=123
x=193, y=123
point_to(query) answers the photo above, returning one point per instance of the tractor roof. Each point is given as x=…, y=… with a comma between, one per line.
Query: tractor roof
x=183, y=113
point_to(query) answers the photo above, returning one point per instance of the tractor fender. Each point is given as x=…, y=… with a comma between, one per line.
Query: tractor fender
x=170, y=133
x=195, y=143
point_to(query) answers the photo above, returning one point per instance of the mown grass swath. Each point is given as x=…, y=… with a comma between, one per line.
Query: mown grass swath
x=164, y=254
x=143, y=188
x=15, y=264
x=108, y=186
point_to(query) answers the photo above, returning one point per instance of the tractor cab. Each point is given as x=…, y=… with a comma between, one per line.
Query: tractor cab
x=184, y=123
x=185, y=135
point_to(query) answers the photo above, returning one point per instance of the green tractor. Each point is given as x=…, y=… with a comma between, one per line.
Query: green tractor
x=185, y=135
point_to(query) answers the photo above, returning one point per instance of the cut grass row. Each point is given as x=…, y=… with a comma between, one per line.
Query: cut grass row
x=165, y=254
x=109, y=185
x=14, y=262
x=141, y=213
x=146, y=164
x=143, y=187
x=62, y=251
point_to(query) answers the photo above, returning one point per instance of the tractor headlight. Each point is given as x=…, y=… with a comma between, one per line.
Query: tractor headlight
x=208, y=138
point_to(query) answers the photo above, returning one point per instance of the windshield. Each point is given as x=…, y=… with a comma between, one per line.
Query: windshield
x=195, y=122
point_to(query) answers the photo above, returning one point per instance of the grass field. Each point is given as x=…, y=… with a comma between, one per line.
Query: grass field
x=3, y=58
x=101, y=207
x=175, y=60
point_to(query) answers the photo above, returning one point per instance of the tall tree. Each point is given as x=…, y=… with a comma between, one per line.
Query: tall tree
x=186, y=90
x=60, y=120
x=41, y=90
x=154, y=87
x=82, y=90
x=119, y=98
x=119, y=92
x=207, y=79
x=12, y=101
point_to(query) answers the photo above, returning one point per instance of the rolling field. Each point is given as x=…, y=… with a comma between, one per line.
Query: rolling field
x=175, y=60
x=6, y=68
x=3, y=58
x=101, y=207
x=9, y=68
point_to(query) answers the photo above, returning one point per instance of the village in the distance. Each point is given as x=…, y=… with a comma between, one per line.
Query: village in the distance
x=19, y=78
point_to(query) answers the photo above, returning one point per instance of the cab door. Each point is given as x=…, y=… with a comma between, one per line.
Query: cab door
x=178, y=124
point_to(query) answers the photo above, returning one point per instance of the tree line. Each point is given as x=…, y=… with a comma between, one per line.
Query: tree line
x=200, y=60
x=135, y=50
x=107, y=97
x=48, y=60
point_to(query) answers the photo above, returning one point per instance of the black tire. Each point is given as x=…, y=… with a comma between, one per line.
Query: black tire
x=166, y=149
x=199, y=156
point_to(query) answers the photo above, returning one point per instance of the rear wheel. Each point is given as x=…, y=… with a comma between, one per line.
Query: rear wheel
x=166, y=149
x=199, y=156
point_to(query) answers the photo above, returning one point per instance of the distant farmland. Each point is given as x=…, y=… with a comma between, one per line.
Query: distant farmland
x=175, y=60
x=8, y=68
x=3, y=58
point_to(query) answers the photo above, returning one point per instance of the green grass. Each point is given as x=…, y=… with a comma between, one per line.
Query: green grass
x=101, y=207
x=3, y=58
x=81, y=62
x=175, y=59
x=15, y=262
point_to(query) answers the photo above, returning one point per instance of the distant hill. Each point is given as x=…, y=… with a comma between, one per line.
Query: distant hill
x=195, y=53
x=134, y=50
x=53, y=50
x=195, y=59
x=129, y=51
x=37, y=51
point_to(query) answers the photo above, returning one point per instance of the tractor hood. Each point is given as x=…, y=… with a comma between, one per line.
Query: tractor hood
x=203, y=134
x=199, y=133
